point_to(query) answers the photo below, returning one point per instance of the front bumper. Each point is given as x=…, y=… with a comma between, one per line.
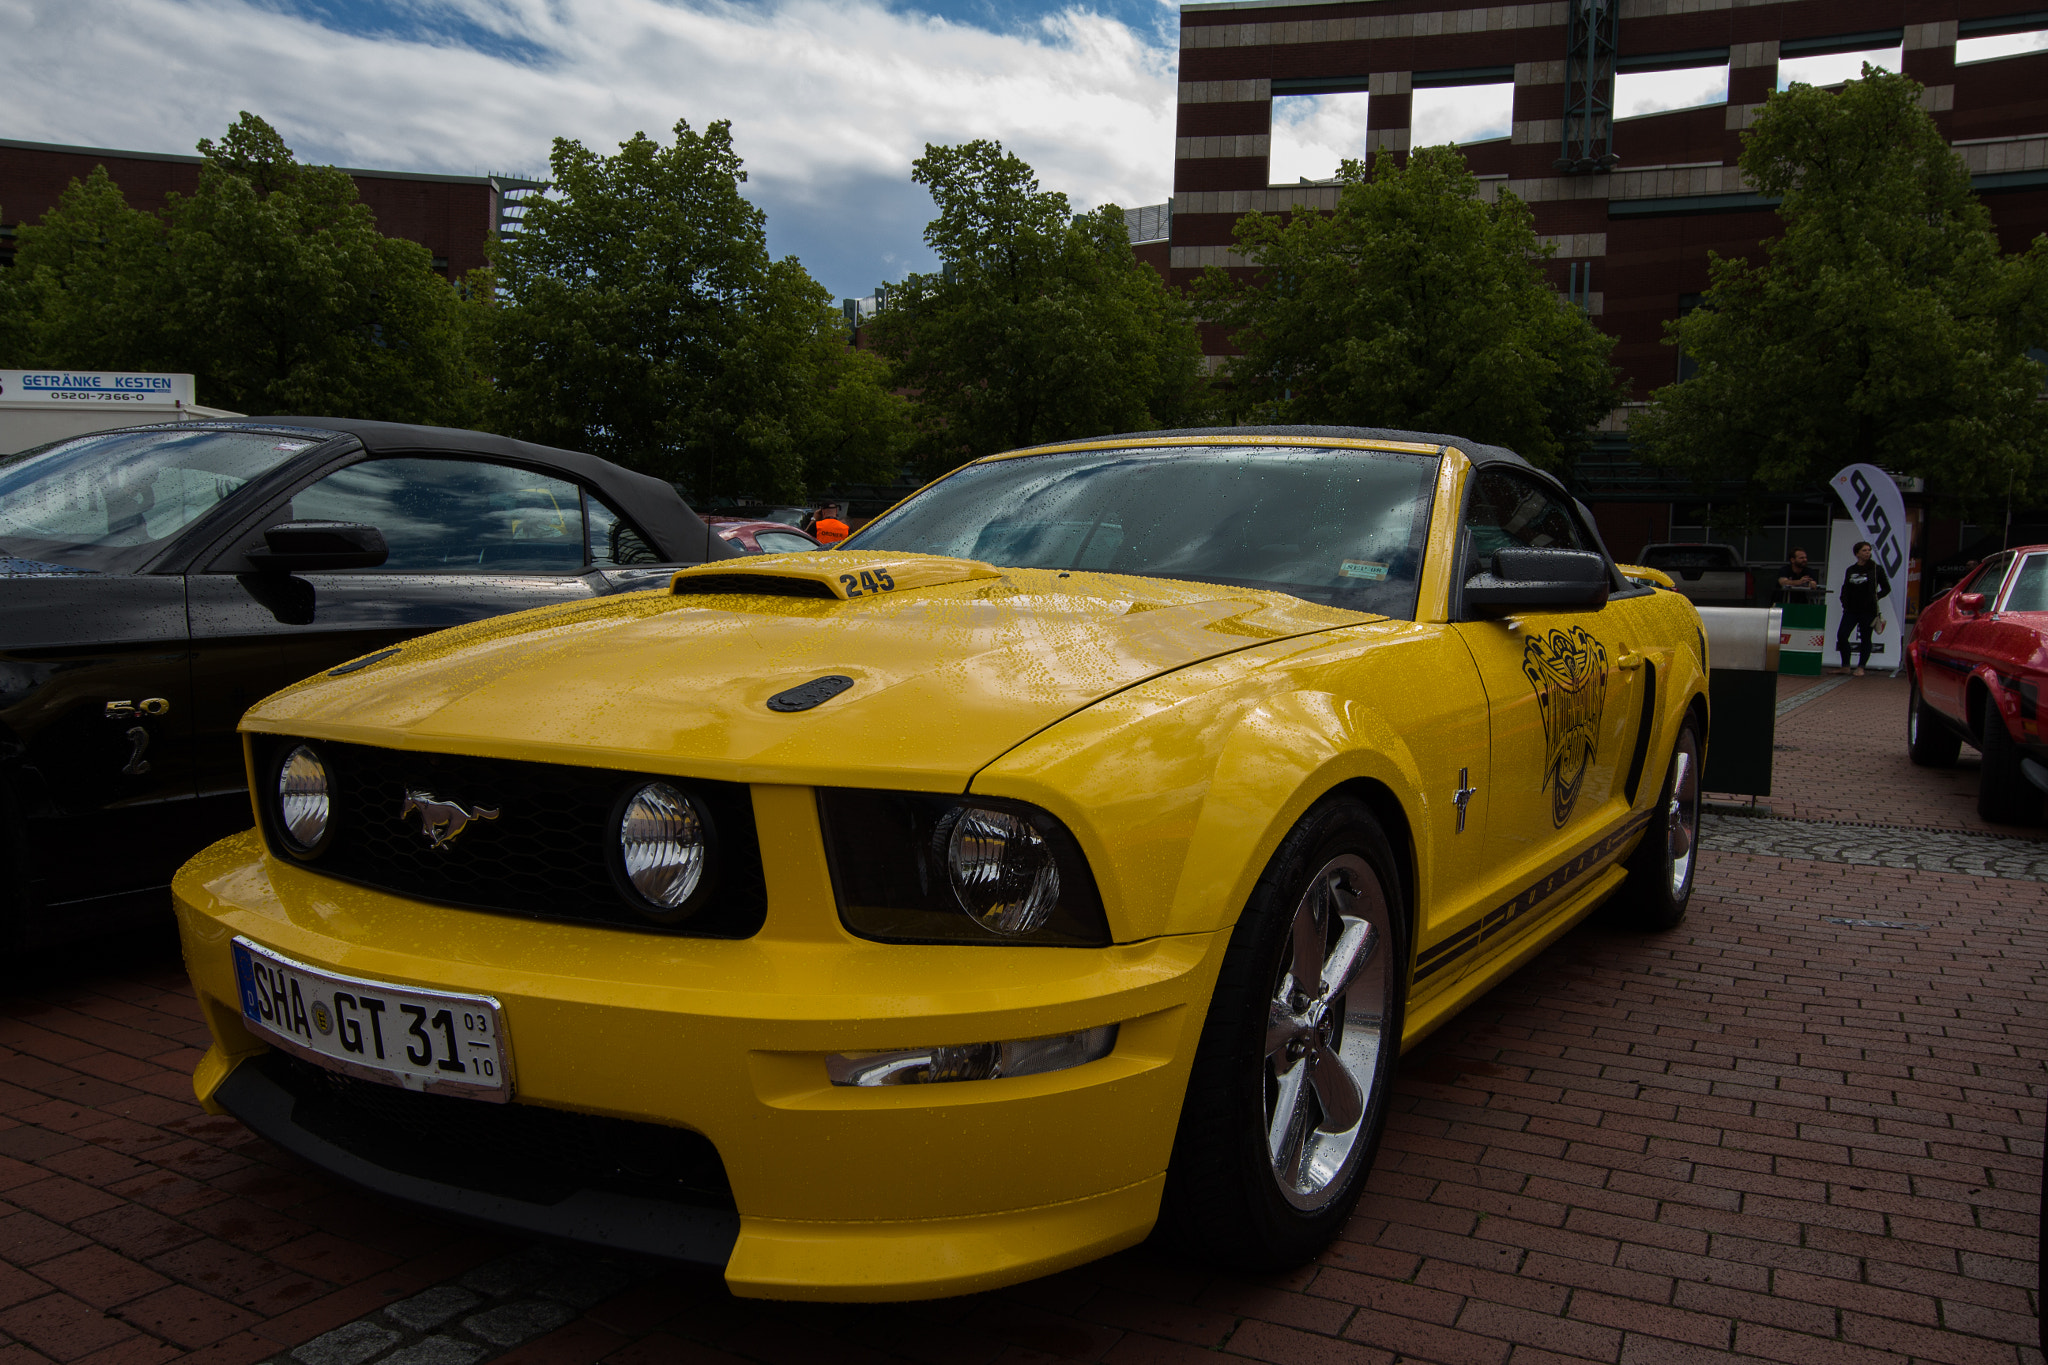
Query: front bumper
x=836, y=1192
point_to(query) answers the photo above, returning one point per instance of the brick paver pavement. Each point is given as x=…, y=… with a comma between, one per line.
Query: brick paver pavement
x=1785, y=1132
x=1843, y=757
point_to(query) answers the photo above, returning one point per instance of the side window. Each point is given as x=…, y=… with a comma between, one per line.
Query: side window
x=2029, y=590
x=1506, y=509
x=613, y=541
x=441, y=515
x=1986, y=577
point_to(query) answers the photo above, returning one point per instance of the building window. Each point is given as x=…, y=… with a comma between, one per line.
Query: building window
x=1314, y=133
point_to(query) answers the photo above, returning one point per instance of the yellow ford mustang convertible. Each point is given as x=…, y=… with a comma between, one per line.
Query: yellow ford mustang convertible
x=1071, y=854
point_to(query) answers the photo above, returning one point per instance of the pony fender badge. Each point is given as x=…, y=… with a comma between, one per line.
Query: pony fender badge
x=1568, y=669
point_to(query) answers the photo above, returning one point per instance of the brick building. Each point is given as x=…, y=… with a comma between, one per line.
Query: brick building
x=451, y=215
x=1633, y=205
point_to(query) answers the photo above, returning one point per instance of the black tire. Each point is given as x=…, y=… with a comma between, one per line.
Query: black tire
x=1229, y=1199
x=2004, y=796
x=1930, y=743
x=1665, y=864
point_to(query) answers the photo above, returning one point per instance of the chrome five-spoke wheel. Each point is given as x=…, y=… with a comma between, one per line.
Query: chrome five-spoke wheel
x=1289, y=1092
x=1682, y=815
x=1324, y=1029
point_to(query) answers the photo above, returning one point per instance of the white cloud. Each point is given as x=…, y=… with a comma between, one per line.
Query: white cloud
x=2000, y=45
x=1312, y=134
x=1835, y=67
x=1461, y=113
x=829, y=102
x=1654, y=92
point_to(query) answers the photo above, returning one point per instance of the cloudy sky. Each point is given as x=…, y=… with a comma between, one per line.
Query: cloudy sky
x=829, y=99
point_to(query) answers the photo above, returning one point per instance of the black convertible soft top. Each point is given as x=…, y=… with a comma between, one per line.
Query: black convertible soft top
x=1477, y=453
x=654, y=505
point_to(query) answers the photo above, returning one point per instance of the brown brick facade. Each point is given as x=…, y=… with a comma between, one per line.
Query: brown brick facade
x=1646, y=229
x=452, y=216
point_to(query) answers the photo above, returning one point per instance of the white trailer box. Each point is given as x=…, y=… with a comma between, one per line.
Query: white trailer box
x=38, y=406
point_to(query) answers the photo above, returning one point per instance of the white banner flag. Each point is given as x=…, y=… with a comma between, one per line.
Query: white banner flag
x=1879, y=511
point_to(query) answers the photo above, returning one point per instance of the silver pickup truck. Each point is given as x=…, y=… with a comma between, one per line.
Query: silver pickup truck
x=1707, y=574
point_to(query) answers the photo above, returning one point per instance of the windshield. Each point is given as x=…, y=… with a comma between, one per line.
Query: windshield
x=110, y=502
x=1343, y=527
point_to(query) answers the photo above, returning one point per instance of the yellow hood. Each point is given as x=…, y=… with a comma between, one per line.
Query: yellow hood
x=953, y=666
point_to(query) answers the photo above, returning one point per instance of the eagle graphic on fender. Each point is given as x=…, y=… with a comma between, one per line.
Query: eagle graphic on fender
x=1568, y=668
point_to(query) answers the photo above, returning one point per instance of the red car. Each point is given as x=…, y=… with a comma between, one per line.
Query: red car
x=760, y=537
x=1978, y=662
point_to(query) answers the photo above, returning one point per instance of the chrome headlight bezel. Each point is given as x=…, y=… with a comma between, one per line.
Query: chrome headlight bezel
x=288, y=823
x=705, y=879
x=889, y=853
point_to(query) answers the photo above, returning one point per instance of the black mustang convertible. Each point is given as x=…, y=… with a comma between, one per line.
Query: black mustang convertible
x=155, y=581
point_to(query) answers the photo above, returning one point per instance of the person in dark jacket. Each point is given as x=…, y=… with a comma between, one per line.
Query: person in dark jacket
x=1863, y=585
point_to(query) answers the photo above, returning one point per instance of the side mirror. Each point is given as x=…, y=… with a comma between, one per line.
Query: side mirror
x=1526, y=579
x=1970, y=603
x=296, y=546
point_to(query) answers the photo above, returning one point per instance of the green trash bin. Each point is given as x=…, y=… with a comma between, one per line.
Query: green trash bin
x=1744, y=654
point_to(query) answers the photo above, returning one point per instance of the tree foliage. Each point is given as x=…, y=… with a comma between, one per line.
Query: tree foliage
x=641, y=318
x=270, y=284
x=1418, y=305
x=1884, y=325
x=1041, y=325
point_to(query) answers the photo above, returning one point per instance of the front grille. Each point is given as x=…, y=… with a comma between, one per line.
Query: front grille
x=756, y=584
x=517, y=1151
x=549, y=852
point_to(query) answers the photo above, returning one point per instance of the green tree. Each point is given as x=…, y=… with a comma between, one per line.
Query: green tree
x=641, y=318
x=1418, y=305
x=270, y=284
x=1041, y=325
x=1884, y=324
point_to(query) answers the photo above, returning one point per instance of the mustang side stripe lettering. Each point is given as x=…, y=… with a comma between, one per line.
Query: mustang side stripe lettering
x=1436, y=958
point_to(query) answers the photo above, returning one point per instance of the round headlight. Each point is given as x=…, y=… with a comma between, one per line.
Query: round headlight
x=1003, y=871
x=302, y=799
x=662, y=839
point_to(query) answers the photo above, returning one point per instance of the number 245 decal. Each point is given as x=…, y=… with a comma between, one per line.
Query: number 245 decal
x=867, y=582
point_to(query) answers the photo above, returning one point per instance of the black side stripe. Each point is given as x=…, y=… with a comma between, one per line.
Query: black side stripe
x=1490, y=925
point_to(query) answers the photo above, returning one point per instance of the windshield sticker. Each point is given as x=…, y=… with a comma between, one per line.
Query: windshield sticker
x=291, y=445
x=1568, y=669
x=1363, y=568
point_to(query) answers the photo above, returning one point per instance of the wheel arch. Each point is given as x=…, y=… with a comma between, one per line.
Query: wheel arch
x=1386, y=808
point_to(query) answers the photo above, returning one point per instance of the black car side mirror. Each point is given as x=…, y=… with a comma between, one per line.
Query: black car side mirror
x=1527, y=579
x=295, y=546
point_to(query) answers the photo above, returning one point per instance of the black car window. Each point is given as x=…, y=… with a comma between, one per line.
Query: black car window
x=1506, y=509
x=111, y=502
x=441, y=515
x=1336, y=525
x=613, y=541
x=1986, y=577
x=2029, y=590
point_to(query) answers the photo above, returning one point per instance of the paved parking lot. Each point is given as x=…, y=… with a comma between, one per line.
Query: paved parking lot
x=1805, y=1128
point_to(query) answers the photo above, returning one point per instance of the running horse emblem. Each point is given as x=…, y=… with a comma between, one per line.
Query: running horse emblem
x=442, y=820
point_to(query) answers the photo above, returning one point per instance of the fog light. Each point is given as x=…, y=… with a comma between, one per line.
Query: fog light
x=302, y=799
x=1002, y=869
x=971, y=1061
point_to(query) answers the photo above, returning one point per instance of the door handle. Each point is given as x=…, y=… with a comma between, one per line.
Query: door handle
x=1629, y=661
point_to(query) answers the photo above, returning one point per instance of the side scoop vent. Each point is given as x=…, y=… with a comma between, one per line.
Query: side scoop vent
x=756, y=584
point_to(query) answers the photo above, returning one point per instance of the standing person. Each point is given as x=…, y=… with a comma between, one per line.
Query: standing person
x=1795, y=579
x=828, y=529
x=1863, y=585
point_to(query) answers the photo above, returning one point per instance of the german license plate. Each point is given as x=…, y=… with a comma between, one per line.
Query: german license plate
x=400, y=1035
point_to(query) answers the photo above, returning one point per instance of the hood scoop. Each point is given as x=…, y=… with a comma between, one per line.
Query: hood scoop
x=828, y=575
x=759, y=584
